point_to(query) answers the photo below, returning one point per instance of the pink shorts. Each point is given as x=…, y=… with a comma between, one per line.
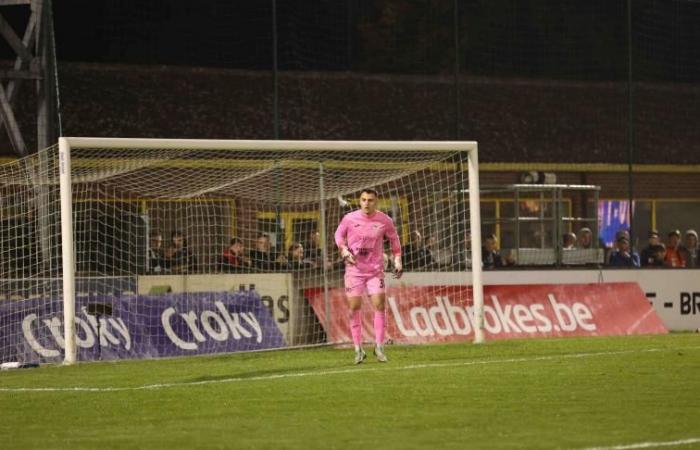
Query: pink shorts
x=358, y=285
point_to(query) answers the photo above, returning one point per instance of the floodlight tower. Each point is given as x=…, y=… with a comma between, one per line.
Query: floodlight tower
x=35, y=62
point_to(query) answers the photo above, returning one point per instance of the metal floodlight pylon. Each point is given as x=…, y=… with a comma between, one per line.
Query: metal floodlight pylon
x=35, y=61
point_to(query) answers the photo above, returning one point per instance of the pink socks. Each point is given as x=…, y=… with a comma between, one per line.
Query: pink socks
x=356, y=327
x=379, y=325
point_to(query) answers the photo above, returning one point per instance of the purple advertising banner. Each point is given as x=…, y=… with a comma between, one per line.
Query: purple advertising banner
x=138, y=326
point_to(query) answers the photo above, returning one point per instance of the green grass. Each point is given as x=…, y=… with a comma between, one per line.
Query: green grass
x=550, y=393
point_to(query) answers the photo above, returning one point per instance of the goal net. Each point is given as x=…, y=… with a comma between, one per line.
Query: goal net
x=136, y=248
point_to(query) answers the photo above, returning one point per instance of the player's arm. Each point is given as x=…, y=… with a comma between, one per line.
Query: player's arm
x=340, y=242
x=395, y=243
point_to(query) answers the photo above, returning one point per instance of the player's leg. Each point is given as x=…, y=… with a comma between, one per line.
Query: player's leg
x=356, y=327
x=354, y=290
x=375, y=286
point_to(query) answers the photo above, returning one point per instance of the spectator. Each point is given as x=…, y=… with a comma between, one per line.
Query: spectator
x=178, y=257
x=658, y=255
x=622, y=256
x=585, y=238
x=415, y=255
x=264, y=258
x=296, y=259
x=675, y=253
x=464, y=256
x=569, y=241
x=490, y=256
x=234, y=259
x=461, y=252
x=156, y=253
x=441, y=255
x=649, y=253
x=313, y=250
x=312, y=246
x=691, y=248
x=622, y=233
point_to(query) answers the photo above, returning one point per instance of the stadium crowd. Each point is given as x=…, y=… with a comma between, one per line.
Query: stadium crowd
x=419, y=253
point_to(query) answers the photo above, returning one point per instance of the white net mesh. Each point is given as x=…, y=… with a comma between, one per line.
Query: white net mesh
x=182, y=251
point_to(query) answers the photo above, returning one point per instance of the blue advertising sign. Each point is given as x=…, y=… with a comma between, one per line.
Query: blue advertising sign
x=138, y=326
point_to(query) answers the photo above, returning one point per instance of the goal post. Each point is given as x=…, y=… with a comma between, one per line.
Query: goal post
x=122, y=201
x=68, y=250
x=475, y=218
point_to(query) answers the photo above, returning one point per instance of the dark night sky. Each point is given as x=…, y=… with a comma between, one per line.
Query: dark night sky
x=233, y=33
x=566, y=39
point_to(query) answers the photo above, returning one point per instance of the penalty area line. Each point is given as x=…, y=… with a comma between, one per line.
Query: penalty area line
x=319, y=373
x=649, y=444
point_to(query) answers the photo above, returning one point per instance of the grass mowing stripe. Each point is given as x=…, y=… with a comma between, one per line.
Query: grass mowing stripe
x=339, y=371
x=649, y=444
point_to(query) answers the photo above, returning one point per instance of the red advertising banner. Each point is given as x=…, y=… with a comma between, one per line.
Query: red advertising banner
x=418, y=314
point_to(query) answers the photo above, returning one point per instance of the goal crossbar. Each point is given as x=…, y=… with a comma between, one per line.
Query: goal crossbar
x=280, y=145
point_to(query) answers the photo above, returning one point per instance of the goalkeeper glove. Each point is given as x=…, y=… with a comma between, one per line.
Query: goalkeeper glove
x=398, y=267
x=347, y=256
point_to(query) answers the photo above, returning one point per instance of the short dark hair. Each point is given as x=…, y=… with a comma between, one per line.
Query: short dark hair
x=370, y=191
x=235, y=240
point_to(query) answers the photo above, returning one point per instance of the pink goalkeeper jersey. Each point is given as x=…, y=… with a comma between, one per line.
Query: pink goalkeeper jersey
x=364, y=236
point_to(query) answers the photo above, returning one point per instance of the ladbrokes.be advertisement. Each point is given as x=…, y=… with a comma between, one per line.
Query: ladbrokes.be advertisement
x=418, y=314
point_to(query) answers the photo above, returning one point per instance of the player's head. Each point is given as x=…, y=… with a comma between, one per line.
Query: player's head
x=368, y=201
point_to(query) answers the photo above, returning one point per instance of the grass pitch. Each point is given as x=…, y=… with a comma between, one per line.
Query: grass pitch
x=636, y=392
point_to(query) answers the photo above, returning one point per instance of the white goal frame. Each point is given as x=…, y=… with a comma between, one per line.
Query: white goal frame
x=65, y=144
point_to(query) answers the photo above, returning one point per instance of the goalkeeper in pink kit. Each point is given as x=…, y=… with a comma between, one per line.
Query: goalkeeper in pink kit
x=360, y=239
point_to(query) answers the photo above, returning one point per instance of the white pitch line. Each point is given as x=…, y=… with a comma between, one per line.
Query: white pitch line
x=334, y=372
x=641, y=319
x=649, y=444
